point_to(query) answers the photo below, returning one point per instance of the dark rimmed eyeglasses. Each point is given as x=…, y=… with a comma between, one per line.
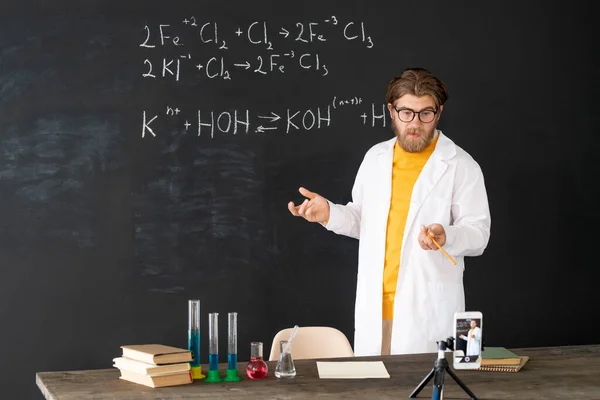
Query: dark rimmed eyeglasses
x=407, y=115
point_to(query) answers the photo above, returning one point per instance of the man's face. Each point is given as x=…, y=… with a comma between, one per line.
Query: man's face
x=473, y=324
x=414, y=136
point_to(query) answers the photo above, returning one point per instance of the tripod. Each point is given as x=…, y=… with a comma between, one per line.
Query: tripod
x=440, y=367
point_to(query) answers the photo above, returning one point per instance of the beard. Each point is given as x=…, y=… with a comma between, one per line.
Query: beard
x=413, y=144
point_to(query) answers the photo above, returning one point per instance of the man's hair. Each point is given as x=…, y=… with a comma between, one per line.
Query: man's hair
x=417, y=82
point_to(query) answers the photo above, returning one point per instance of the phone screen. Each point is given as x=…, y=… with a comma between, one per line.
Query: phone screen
x=468, y=337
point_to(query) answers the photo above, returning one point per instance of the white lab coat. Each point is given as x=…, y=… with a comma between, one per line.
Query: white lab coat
x=474, y=344
x=450, y=191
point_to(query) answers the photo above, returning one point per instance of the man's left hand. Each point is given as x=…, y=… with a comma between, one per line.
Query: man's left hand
x=436, y=231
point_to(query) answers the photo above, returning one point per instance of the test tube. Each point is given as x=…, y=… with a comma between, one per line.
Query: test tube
x=213, y=348
x=232, y=373
x=194, y=337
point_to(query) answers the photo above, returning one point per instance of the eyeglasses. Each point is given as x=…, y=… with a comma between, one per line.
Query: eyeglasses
x=407, y=115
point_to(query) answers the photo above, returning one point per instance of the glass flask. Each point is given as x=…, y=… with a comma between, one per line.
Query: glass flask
x=285, y=365
x=257, y=368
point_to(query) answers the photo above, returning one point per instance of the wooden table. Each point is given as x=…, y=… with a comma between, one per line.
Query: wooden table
x=551, y=373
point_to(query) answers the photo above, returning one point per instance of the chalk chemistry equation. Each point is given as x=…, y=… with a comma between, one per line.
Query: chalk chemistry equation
x=211, y=122
x=192, y=37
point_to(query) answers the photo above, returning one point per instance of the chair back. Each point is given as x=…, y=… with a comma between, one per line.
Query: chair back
x=313, y=342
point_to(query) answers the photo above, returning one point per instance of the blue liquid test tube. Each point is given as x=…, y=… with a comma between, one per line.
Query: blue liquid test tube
x=213, y=348
x=232, y=372
x=194, y=337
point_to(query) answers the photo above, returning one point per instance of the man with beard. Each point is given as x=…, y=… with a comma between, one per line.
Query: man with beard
x=409, y=191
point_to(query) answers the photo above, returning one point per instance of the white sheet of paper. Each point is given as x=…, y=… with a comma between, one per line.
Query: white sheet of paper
x=351, y=369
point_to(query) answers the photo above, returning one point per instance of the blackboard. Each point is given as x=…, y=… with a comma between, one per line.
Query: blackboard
x=123, y=195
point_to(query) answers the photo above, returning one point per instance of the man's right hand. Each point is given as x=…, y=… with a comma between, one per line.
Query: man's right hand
x=314, y=208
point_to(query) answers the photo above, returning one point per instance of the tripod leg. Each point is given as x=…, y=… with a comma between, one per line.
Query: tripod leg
x=461, y=384
x=422, y=384
x=438, y=382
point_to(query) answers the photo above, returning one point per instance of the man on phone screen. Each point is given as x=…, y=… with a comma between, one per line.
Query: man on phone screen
x=473, y=339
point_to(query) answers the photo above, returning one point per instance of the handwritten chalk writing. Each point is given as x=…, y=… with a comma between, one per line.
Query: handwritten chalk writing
x=246, y=65
x=311, y=34
x=345, y=33
x=223, y=122
x=307, y=32
x=221, y=51
x=215, y=68
x=272, y=118
x=145, y=44
x=167, y=68
x=146, y=125
x=220, y=71
x=148, y=74
x=262, y=129
x=339, y=103
x=309, y=63
x=172, y=111
x=213, y=122
x=271, y=66
x=209, y=33
x=253, y=35
x=308, y=119
x=362, y=35
x=274, y=62
x=170, y=67
x=200, y=34
x=205, y=37
x=259, y=69
x=375, y=116
x=192, y=21
x=333, y=20
x=163, y=36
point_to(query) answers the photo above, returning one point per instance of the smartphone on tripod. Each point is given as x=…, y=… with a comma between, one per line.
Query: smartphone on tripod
x=468, y=334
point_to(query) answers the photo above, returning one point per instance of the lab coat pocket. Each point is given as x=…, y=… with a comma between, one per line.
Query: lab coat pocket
x=440, y=209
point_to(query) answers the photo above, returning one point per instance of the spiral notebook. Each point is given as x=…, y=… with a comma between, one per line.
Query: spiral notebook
x=499, y=359
x=504, y=368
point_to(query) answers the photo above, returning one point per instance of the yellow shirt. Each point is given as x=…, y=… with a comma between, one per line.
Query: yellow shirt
x=406, y=169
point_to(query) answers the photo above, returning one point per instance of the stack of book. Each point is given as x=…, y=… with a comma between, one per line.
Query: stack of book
x=154, y=365
x=499, y=359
